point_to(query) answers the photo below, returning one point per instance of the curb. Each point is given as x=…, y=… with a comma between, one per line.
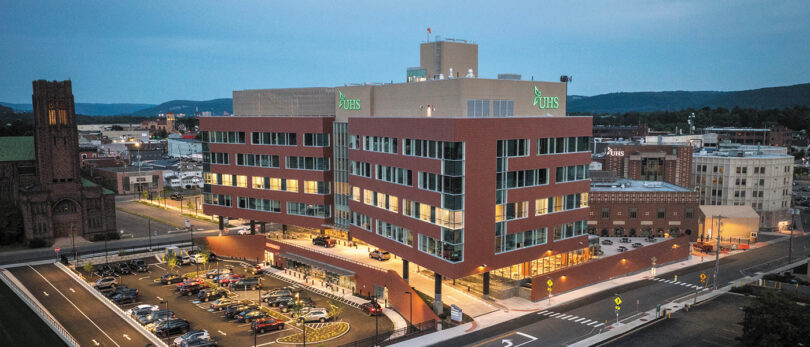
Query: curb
x=149, y=336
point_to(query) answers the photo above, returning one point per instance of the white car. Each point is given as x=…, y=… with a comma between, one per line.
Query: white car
x=316, y=314
x=198, y=258
x=191, y=335
x=141, y=308
x=241, y=230
x=184, y=260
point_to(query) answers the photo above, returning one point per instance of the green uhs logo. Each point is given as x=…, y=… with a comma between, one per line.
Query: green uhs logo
x=543, y=102
x=348, y=104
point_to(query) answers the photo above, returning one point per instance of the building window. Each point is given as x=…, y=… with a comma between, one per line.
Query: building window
x=308, y=210
x=572, y=173
x=689, y=213
x=361, y=221
x=435, y=215
x=633, y=213
x=216, y=158
x=241, y=181
x=433, y=149
x=393, y=175
x=236, y=137
x=274, y=139
x=510, y=211
x=257, y=160
x=356, y=193
x=316, y=187
x=394, y=232
x=521, y=179
x=501, y=108
x=513, y=148
x=559, y=145
x=380, y=144
x=316, y=140
x=308, y=163
x=259, y=204
x=359, y=168
x=605, y=212
x=662, y=213
x=478, y=108
x=217, y=199
x=444, y=248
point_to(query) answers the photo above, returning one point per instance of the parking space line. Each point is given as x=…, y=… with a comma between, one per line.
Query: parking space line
x=221, y=332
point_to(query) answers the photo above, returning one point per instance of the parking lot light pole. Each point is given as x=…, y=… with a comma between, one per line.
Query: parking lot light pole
x=304, y=329
x=167, y=315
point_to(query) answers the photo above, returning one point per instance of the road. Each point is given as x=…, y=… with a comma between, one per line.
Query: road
x=89, y=321
x=579, y=319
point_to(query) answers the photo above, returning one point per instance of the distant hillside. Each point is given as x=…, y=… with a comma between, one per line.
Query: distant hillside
x=90, y=109
x=216, y=106
x=763, y=98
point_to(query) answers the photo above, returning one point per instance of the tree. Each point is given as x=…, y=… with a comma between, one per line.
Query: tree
x=334, y=310
x=88, y=268
x=774, y=320
x=171, y=261
x=190, y=205
x=116, y=127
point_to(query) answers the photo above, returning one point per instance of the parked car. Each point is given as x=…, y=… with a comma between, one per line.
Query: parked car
x=177, y=196
x=287, y=306
x=325, y=241
x=122, y=269
x=138, y=265
x=191, y=335
x=247, y=283
x=607, y=242
x=379, y=255
x=228, y=279
x=703, y=247
x=199, y=343
x=211, y=294
x=110, y=292
x=249, y=316
x=277, y=293
x=198, y=258
x=125, y=297
x=104, y=270
x=171, y=327
x=189, y=281
x=316, y=314
x=234, y=310
x=141, y=310
x=373, y=308
x=171, y=278
x=221, y=304
x=275, y=301
x=266, y=324
x=106, y=282
x=192, y=289
x=183, y=260
x=218, y=273
x=155, y=316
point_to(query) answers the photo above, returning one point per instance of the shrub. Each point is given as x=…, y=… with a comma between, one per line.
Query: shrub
x=327, y=332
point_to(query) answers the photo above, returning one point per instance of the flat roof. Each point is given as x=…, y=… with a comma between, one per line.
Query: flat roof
x=746, y=154
x=737, y=129
x=728, y=211
x=143, y=169
x=628, y=185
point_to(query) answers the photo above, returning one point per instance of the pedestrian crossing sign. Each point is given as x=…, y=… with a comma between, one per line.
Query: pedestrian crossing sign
x=618, y=307
x=550, y=283
x=618, y=301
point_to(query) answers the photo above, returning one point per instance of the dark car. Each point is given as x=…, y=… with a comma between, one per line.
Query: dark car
x=121, y=290
x=171, y=278
x=177, y=196
x=172, y=327
x=265, y=324
x=104, y=271
x=277, y=293
x=210, y=294
x=155, y=316
x=199, y=343
x=192, y=288
x=122, y=269
x=249, y=316
x=274, y=301
x=138, y=265
x=125, y=298
x=247, y=283
x=324, y=241
x=287, y=306
x=232, y=311
x=218, y=273
x=373, y=308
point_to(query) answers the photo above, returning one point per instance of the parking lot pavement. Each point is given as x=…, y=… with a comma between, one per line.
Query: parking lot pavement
x=229, y=332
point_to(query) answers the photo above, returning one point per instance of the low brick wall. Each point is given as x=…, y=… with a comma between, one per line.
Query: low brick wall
x=603, y=269
x=366, y=277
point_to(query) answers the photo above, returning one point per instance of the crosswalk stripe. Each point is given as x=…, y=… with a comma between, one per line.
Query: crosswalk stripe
x=548, y=313
x=592, y=323
x=565, y=317
x=599, y=325
x=685, y=284
x=555, y=315
x=669, y=281
x=543, y=311
x=573, y=317
x=586, y=322
x=577, y=321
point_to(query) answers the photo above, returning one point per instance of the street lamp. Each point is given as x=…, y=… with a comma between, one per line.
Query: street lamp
x=410, y=295
x=717, y=252
x=167, y=315
x=304, y=329
x=138, y=146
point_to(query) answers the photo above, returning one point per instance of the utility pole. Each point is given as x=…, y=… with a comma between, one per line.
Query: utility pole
x=717, y=252
x=149, y=221
x=792, y=226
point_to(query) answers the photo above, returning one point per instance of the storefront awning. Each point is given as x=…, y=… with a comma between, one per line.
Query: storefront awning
x=317, y=264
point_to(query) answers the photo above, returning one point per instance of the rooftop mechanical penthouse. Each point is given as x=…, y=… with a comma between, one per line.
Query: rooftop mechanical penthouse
x=482, y=181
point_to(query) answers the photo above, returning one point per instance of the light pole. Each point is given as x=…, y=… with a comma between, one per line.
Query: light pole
x=167, y=315
x=149, y=223
x=793, y=213
x=717, y=252
x=73, y=238
x=138, y=146
x=410, y=322
x=304, y=329
x=106, y=259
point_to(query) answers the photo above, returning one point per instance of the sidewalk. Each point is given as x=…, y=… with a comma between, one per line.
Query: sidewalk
x=342, y=294
x=516, y=307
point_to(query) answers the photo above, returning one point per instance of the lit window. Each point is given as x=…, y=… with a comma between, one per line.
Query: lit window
x=241, y=181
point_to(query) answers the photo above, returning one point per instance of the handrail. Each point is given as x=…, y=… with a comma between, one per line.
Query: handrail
x=40, y=310
x=331, y=255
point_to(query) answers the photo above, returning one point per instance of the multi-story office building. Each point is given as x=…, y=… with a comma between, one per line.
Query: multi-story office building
x=467, y=177
x=776, y=136
x=761, y=178
x=670, y=163
x=641, y=208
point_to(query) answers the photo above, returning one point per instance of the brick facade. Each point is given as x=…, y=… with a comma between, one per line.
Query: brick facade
x=627, y=160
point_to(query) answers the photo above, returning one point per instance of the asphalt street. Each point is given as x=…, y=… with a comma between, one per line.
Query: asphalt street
x=82, y=314
x=579, y=319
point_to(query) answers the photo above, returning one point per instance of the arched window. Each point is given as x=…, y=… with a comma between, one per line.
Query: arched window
x=64, y=206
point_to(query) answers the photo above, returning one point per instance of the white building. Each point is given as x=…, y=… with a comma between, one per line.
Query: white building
x=761, y=179
x=184, y=148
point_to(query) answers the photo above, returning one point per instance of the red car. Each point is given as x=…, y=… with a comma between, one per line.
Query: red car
x=189, y=281
x=230, y=279
x=264, y=324
x=372, y=308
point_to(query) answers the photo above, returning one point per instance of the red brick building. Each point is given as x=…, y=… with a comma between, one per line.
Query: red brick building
x=779, y=135
x=648, y=162
x=639, y=208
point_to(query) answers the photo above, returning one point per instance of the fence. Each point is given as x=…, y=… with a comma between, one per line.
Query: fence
x=396, y=336
x=115, y=254
x=40, y=311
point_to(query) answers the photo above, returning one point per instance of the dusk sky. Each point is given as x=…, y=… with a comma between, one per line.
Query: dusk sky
x=155, y=51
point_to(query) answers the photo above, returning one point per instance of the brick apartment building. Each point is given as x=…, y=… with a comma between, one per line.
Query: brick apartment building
x=779, y=135
x=671, y=163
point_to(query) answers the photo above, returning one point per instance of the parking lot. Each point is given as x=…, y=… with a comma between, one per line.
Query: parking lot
x=229, y=332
